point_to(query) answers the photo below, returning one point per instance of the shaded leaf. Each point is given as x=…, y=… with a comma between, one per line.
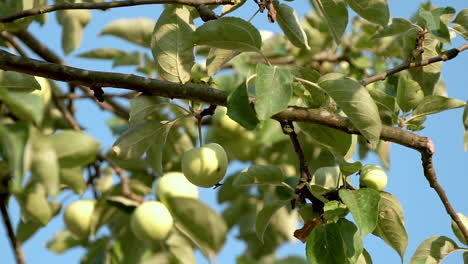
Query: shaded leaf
x=461, y=23
x=374, y=11
x=409, y=94
x=14, y=140
x=15, y=81
x=259, y=174
x=172, y=44
x=397, y=27
x=336, y=140
x=202, y=223
x=273, y=88
x=288, y=20
x=390, y=226
x=264, y=216
x=356, y=103
x=229, y=33
x=102, y=53
x=433, y=23
x=239, y=108
x=74, y=148
x=334, y=243
x=334, y=210
x=145, y=107
x=335, y=14
x=135, y=30
x=62, y=241
x=364, y=205
x=26, y=106
x=217, y=58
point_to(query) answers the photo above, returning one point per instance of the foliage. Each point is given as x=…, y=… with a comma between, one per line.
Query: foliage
x=320, y=63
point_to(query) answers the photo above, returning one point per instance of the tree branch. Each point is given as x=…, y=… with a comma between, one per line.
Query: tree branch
x=215, y=97
x=450, y=54
x=50, y=56
x=15, y=243
x=125, y=185
x=8, y=37
x=106, y=5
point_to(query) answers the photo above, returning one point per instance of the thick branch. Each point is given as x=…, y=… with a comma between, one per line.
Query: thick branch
x=450, y=54
x=208, y=95
x=15, y=243
x=105, y=6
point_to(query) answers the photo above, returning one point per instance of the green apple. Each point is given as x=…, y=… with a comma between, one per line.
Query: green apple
x=205, y=166
x=373, y=176
x=175, y=184
x=223, y=121
x=456, y=229
x=78, y=216
x=151, y=222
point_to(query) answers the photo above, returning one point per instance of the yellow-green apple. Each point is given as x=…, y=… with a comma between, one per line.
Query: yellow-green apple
x=373, y=176
x=151, y=222
x=456, y=229
x=175, y=184
x=78, y=216
x=205, y=166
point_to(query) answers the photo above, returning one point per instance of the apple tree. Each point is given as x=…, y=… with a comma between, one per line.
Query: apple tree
x=210, y=90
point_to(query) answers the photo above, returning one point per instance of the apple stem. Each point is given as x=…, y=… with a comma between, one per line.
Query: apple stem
x=200, y=134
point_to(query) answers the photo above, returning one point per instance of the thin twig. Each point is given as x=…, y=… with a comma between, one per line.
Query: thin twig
x=450, y=54
x=10, y=39
x=66, y=113
x=126, y=186
x=430, y=174
x=105, y=6
x=15, y=243
x=47, y=54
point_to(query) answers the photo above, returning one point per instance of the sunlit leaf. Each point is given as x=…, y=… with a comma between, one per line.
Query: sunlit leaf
x=434, y=104
x=74, y=148
x=135, y=30
x=433, y=250
x=273, y=88
x=62, y=241
x=288, y=20
x=335, y=14
x=364, y=205
x=259, y=174
x=461, y=23
x=374, y=11
x=264, y=216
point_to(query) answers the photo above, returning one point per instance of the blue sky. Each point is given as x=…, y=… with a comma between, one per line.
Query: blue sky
x=424, y=214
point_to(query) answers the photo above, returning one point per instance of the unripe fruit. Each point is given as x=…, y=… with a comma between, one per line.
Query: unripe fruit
x=175, y=184
x=78, y=216
x=221, y=119
x=373, y=176
x=205, y=166
x=151, y=222
x=456, y=229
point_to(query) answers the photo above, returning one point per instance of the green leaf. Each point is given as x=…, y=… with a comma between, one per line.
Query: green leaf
x=217, y=58
x=437, y=28
x=73, y=178
x=374, y=11
x=356, y=103
x=45, y=165
x=273, y=88
x=434, y=104
x=62, y=241
x=74, y=148
x=289, y=22
x=102, y=53
x=264, y=216
x=145, y=107
x=138, y=139
x=429, y=75
x=409, y=94
x=73, y=22
x=260, y=174
x=34, y=203
x=291, y=260
x=229, y=33
x=334, y=243
x=334, y=210
x=26, y=106
x=96, y=251
x=390, y=226
x=327, y=177
x=154, y=155
x=14, y=139
x=336, y=140
x=172, y=44
x=122, y=203
x=397, y=27
x=239, y=108
x=335, y=14
x=433, y=250
x=135, y=30
x=364, y=206
x=203, y=224
x=461, y=23
x=465, y=124
x=27, y=227
x=365, y=258
x=20, y=82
